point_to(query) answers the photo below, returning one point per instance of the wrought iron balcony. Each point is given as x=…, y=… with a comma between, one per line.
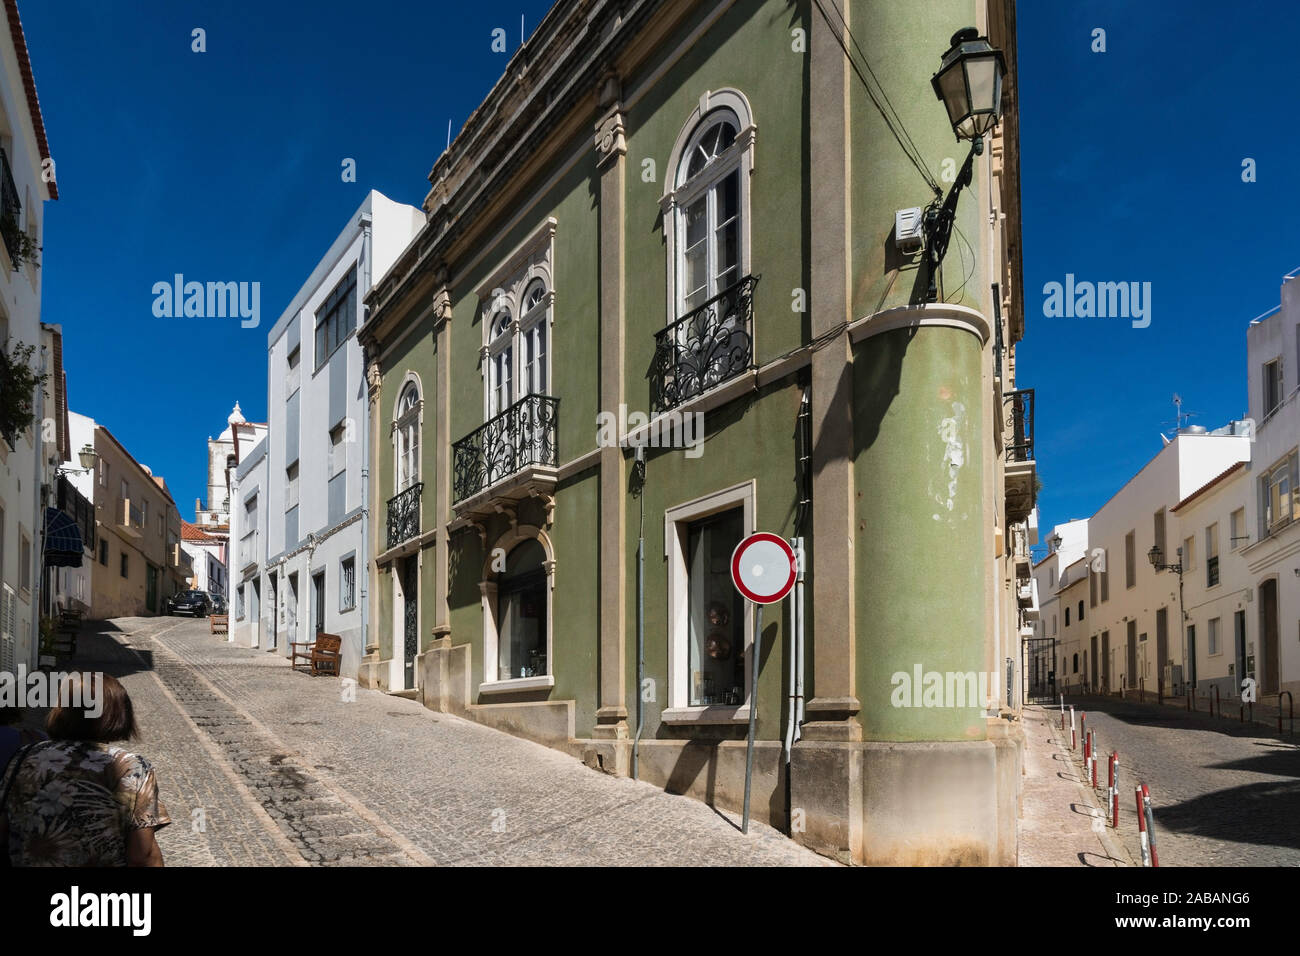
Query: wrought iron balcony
x=704, y=348
x=1020, y=420
x=10, y=207
x=404, y=514
x=523, y=435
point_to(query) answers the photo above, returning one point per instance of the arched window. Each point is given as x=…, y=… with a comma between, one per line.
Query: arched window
x=532, y=332
x=408, y=437
x=1076, y=663
x=709, y=217
x=706, y=207
x=522, y=616
x=500, y=364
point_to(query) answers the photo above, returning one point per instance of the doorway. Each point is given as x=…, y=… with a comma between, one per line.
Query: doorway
x=1268, y=636
x=1093, y=670
x=410, y=586
x=318, y=603
x=255, y=612
x=1162, y=644
x=151, y=588
x=275, y=610
x=291, y=609
x=1191, y=655
x=1239, y=631
x=1105, y=662
x=1130, y=674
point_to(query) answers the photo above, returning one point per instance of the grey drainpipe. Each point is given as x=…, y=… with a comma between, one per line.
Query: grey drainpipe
x=363, y=579
x=640, y=612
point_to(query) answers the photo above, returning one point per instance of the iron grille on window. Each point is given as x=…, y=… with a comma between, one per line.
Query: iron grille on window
x=704, y=348
x=10, y=207
x=1020, y=419
x=521, y=436
x=404, y=515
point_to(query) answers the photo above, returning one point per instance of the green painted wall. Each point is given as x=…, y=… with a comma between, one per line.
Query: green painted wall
x=920, y=525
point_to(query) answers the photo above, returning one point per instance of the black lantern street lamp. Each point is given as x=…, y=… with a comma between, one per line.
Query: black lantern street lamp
x=969, y=83
x=1055, y=542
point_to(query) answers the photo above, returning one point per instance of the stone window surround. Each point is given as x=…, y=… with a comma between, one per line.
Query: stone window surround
x=504, y=290
x=400, y=421
x=739, y=155
x=676, y=522
x=491, y=633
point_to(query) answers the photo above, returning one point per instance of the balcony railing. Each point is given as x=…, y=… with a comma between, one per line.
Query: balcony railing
x=523, y=435
x=704, y=348
x=404, y=515
x=1020, y=420
x=10, y=207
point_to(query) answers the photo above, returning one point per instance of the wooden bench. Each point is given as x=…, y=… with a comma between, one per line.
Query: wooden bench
x=219, y=623
x=323, y=654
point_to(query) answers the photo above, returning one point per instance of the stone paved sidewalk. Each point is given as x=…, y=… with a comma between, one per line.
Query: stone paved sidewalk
x=1060, y=824
x=285, y=772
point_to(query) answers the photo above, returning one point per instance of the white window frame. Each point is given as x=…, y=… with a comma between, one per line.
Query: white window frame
x=677, y=521
x=506, y=291
x=492, y=684
x=408, y=433
x=679, y=194
x=343, y=583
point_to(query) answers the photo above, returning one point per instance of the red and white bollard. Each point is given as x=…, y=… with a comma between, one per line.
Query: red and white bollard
x=1083, y=731
x=1063, y=712
x=1142, y=827
x=1151, y=824
x=1092, y=759
x=1114, y=789
x=1073, y=742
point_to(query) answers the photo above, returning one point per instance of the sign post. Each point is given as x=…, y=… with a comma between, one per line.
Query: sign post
x=763, y=568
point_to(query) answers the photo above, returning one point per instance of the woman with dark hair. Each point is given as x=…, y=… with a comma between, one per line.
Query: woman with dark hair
x=75, y=800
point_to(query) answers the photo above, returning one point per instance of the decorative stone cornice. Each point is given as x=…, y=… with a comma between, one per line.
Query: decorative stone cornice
x=610, y=139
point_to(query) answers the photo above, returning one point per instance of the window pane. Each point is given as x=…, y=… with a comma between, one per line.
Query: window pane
x=716, y=613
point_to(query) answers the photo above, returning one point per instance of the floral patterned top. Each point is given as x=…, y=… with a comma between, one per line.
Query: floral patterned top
x=74, y=803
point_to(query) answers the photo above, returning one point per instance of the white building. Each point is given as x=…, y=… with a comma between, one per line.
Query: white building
x=208, y=558
x=302, y=497
x=247, y=531
x=1272, y=553
x=1067, y=543
x=26, y=181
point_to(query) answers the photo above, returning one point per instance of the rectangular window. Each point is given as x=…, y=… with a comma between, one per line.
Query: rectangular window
x=1159, y=537
x=1093, y=579
x=291, y=486
x=103, y=473
x=716, y=611
x=1105, y=575
x=1130, y=560
x=1213, y=637
x=103, y=551
x=123, y=567
x=1051, y=577
x=1238, y=525
x=348, y=584
x=293, y=371
x=710, y=628
x=239, y=603
x=337, y=317
x=1212, y=555
x=24, y=561
x=1279, y=505
x=1189, y=554
x=1272, y=386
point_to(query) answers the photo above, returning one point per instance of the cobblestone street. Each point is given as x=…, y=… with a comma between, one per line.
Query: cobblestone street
x=262, y=765
x=1223, y=793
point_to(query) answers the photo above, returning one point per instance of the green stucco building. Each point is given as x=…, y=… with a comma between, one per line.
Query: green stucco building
x=673, y=226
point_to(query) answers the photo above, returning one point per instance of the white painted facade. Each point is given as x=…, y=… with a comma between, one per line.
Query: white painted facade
x=248, y=492
x=24, y=468
x=1272, y=555
x=1048, y=575
x=207, y=558
x=1131, y=608
x=312, y=557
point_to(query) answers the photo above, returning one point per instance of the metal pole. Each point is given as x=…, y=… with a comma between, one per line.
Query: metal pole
x=1142, y=827
x=753, y=710
x=1151, y=824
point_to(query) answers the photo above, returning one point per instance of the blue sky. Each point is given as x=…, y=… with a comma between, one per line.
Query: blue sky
x=1132, y=170
x=225, y=166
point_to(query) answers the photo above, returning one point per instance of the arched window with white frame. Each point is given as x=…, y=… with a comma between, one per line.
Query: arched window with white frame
x=501, y=351
x=532, y=331
x=407, y=426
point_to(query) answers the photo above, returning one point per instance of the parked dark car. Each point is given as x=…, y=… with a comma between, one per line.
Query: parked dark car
x=196, y=603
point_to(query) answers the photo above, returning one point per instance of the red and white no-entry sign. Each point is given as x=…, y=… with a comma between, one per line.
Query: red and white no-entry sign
x=763, y=567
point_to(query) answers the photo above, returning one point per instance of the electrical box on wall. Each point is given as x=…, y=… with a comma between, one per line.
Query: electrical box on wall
x=908, y=230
